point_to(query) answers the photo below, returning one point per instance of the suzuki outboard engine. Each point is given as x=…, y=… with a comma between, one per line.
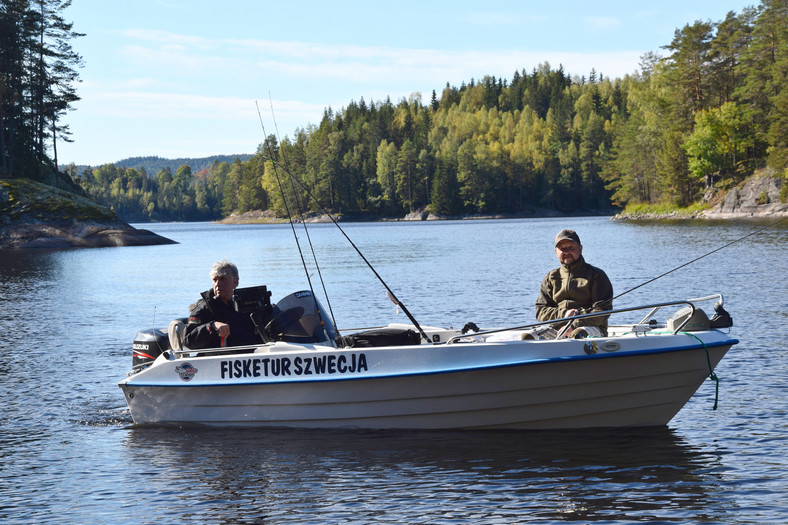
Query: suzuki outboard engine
x=148, y=345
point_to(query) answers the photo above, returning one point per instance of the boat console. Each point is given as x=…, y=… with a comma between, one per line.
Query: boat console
x=300, y=318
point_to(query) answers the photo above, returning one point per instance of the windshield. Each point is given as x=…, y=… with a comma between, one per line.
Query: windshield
x=300, y=318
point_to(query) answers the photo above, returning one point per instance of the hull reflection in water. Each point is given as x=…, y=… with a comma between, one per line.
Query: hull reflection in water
x=641, y=374
x=432, y=476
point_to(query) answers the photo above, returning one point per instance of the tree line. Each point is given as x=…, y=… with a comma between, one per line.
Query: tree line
x=702, y=113
x=154, y=164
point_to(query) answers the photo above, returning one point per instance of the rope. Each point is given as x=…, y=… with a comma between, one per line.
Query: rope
x=712, y=375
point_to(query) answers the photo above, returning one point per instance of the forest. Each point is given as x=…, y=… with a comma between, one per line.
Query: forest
x=701, y=114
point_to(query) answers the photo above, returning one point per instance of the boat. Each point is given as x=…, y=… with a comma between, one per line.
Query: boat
x=407, y=376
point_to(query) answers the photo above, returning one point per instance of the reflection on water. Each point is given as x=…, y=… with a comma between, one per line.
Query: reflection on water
x=70, y=453
x=337, y=475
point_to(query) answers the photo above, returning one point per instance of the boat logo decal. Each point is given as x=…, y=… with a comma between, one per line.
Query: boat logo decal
x=590, y=347
x=186, y=371
x=611, y=346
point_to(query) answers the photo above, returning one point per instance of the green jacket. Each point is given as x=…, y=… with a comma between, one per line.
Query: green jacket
x=579, y=285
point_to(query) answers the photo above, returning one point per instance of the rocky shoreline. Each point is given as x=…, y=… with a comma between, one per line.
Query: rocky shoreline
x=37, y=216
x=761, y=196
x=424, y=214
x=63, y=235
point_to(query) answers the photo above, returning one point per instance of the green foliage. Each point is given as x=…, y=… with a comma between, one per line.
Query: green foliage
x=136, y=197
x=37, y=77
x=717, y=142
x=707, y=114
x=29, y=200
x=662, y=209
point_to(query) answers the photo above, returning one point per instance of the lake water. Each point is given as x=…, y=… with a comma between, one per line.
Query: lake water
x=70, y=453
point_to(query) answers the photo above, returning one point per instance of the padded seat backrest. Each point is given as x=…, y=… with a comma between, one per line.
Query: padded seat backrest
x=175, y=333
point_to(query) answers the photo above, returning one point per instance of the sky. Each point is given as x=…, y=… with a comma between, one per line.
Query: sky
x=184, y=78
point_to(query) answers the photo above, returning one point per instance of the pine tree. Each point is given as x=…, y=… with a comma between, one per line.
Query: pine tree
x=37, y=77
x=757, y=67
x=775, y=16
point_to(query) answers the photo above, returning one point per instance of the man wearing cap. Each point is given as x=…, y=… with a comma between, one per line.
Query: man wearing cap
x=575, y=287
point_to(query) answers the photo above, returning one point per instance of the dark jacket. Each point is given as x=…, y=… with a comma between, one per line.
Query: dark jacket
x=200, y=334
x=579, y=285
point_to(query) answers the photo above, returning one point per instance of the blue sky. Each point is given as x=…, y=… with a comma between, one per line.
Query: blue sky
x=179, y=78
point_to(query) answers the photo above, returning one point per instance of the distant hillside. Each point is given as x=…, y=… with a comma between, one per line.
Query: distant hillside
x=153, y=165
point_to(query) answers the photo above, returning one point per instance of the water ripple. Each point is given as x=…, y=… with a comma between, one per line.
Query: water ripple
x=72, y=455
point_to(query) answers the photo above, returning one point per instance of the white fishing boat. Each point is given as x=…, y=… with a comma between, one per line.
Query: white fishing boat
x=416, y=377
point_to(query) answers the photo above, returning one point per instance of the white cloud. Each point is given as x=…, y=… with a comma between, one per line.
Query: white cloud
x=599, y=24
x=169, y=94
x=157, y=106
x=257, y=58
x=503, y=19
x=167, y=37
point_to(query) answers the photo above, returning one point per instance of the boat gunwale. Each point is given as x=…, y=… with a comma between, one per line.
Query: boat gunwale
x=528, y=362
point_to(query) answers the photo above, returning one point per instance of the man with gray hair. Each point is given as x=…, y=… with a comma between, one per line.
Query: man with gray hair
x=214, y=320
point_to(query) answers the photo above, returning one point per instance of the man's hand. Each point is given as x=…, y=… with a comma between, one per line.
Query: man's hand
x=223, y=329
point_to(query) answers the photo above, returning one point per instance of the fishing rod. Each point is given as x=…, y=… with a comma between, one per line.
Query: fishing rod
x=699, y=258
x=609, y=302
x=292, y=227
x=389, y=292
x=302, y=209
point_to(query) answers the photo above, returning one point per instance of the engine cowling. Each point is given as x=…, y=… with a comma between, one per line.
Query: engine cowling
x=148, y=345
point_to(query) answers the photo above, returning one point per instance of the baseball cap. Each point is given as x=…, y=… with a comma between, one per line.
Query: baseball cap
x=567, y=235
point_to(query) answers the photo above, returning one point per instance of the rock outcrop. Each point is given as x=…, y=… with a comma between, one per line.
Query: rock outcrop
x=758, y=196
x=762, y=195
x=34, y=215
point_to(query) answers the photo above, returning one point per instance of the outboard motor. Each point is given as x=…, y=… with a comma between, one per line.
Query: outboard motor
x=148, y=345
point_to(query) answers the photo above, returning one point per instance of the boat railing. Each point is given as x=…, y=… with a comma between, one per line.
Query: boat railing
x=654, y=308
x=696, y=300
x=204, y=352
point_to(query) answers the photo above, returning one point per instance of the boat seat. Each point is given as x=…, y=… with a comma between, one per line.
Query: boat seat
x=175, y=332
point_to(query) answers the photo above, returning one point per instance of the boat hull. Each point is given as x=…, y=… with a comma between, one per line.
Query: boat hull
x=637, y=381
